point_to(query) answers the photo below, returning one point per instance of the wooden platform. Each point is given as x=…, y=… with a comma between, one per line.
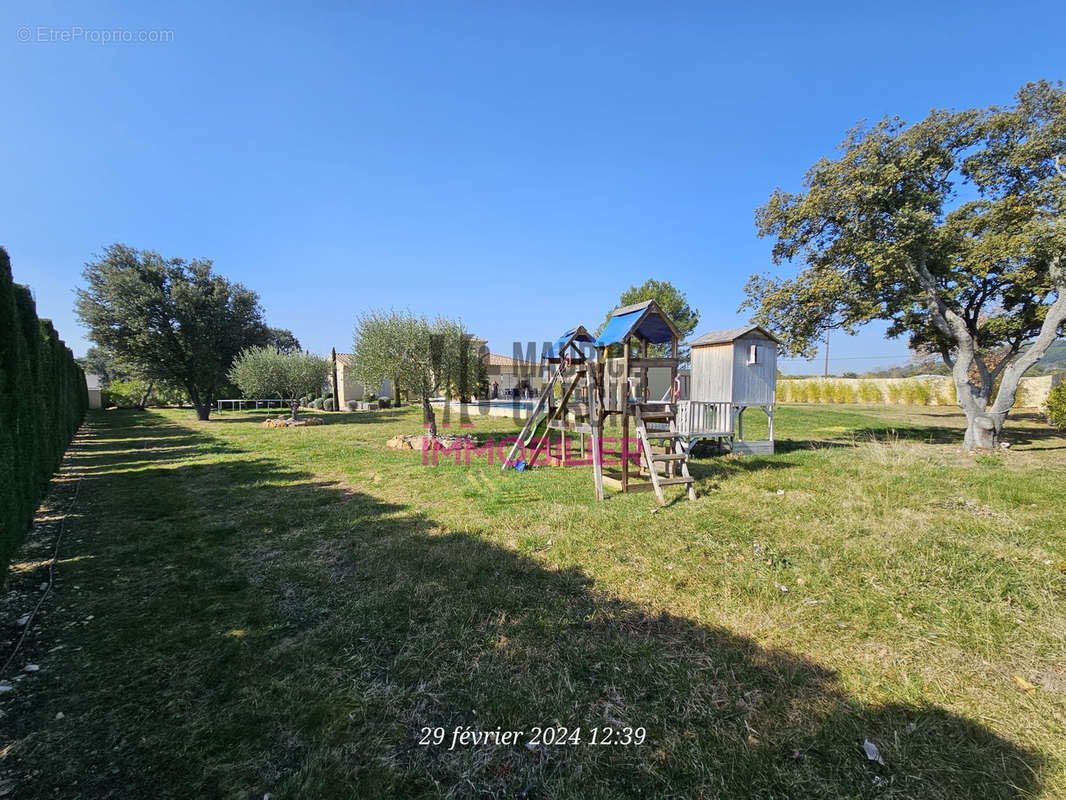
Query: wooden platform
x=762, y=448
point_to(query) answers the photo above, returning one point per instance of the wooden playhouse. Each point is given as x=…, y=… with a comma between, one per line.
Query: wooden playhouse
x=732, y=370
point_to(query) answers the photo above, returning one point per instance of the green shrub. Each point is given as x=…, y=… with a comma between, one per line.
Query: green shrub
x=822, y=392
x=327, y=404
x=317, y=403
x=948, y=394
x=869, y=392
x=917, y=392
x=1055, y=406
x=124, y=394
x=167, y=396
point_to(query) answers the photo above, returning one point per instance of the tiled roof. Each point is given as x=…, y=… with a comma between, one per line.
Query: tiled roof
x=496, y=360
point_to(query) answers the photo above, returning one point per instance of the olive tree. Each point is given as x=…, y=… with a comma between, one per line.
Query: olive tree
x=420, y=356
x=266, y=372
x=950, y=229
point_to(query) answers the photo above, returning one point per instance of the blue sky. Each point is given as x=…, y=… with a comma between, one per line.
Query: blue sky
x=515, y=164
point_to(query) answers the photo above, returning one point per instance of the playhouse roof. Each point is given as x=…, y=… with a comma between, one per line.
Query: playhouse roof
x=731, y=335
x=645, y=319
x=556, y=349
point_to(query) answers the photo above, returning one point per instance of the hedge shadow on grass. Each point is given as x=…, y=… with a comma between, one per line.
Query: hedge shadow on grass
x=262, y=630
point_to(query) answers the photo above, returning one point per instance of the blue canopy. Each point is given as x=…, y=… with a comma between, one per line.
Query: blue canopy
x=556, y=349
x=653, y=327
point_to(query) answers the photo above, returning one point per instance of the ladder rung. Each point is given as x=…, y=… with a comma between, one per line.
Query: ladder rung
x=652, y=416
x=662, y=435
x=570, y=427
x=672, y=481
x=668, y=456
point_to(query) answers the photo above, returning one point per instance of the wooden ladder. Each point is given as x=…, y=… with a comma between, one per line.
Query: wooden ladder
x=534, y=414
x=663, y=412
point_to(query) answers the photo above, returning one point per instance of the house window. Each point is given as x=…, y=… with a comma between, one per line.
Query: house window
x=753, y=354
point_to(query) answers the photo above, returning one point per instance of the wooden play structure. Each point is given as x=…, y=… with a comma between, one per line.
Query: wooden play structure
x=614, y=392
x=592, y=385
x=623, y=381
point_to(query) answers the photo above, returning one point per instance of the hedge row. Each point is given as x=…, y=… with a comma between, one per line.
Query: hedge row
x=42, y=401
x=909, y=391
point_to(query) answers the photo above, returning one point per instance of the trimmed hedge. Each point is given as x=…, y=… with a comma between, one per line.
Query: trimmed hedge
x=42, y=402
x=1055, y=406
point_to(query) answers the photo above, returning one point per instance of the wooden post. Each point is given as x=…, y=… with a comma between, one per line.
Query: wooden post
x=625, y=415
x=336, y=394
x=678, y=423
x=596, y=426
x=644, y=376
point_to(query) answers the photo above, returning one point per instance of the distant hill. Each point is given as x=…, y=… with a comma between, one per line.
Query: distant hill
x=1055, y=357
x=1053, y=361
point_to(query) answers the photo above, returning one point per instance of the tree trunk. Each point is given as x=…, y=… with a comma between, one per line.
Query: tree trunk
x=428, y=417
x=295, y=404
x=203, y=408
x=146, y=395
x=982, y=430
x=333, y=378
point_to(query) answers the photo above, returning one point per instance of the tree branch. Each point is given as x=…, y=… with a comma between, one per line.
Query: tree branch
x=949, y=323
x=1049, y=331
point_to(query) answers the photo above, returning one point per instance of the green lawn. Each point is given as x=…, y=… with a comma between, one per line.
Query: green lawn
x=242, y=611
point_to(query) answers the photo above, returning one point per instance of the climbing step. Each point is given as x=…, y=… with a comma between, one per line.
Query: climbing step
x=657, y=416
x=662, y=411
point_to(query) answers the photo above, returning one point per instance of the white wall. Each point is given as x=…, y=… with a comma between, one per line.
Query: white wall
x=712, y=373
x=754, y=384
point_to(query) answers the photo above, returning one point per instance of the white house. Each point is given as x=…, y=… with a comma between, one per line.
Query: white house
x=512, y=374
x=92, y=383
x=349, y=389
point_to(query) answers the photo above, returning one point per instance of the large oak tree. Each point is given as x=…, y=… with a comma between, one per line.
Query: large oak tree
x=951, y=229
x=169, y=319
